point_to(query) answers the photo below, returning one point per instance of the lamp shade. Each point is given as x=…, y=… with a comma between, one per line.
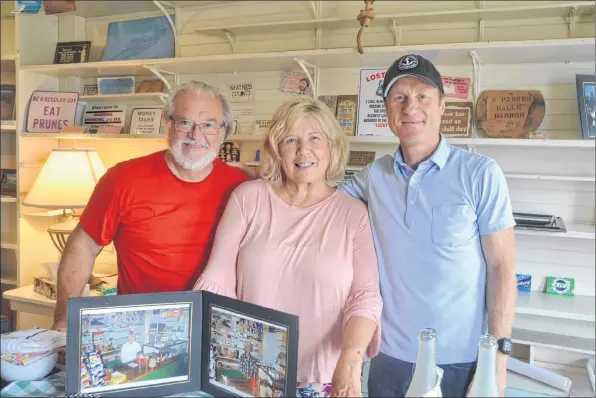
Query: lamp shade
x=66, y=180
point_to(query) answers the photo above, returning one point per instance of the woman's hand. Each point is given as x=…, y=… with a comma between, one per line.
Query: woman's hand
x=346, y=380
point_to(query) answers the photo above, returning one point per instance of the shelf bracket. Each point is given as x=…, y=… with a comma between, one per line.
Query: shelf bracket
x=571, y=20
x=316, y=8
x=314, y=83
x=396, y=31
x=471, y=148
x=160, y=4
x=160, y=74
x=476, y=70
x=232, y=39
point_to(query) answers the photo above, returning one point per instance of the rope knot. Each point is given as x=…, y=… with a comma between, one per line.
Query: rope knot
x=365, y=17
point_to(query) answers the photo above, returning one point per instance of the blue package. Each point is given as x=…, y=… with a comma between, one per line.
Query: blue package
x=524, y=282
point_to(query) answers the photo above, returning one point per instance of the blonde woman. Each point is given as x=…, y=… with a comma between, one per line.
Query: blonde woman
x=291, y=242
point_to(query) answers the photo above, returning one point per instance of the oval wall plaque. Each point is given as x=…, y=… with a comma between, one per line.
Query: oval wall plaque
x=510, y=114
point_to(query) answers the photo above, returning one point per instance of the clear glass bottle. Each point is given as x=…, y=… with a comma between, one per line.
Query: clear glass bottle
x=425, y=374
x=485, y=381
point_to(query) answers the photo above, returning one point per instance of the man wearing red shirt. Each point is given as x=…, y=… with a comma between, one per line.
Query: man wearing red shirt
x=160, y=210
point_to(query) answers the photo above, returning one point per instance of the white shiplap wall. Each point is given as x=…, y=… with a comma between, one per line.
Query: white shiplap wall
x=574, y=201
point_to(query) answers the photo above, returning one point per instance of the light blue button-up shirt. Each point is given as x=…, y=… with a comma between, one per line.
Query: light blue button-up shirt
x=426, y=226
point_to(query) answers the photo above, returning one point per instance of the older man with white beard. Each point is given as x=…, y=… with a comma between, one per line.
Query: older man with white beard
x=160, y=210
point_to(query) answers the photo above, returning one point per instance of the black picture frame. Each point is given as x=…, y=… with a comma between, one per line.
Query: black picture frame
x=586, y=98
x=94, y=307
x=267, y=317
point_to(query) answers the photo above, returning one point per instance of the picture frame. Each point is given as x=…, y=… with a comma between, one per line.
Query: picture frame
x=8, y=182
x=8, y=93
x=158, y=344
x=146, y=121
x=586, y=99
x=99, y=361
x=274, y=376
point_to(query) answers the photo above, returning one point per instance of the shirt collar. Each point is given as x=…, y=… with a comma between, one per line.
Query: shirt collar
x=439, y=156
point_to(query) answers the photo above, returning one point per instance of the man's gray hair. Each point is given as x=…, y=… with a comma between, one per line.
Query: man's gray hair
x=193, y=86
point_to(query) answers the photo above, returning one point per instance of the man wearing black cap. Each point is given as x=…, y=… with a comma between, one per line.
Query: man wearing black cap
x=442, y=224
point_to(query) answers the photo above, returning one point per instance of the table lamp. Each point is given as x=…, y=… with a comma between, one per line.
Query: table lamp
x=65, y=182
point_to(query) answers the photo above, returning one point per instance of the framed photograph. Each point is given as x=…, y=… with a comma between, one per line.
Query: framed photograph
x=8, y=93
x=72, y=52
x=139, y=344
x=8, y=182
x=248, y=350
x=586, y=93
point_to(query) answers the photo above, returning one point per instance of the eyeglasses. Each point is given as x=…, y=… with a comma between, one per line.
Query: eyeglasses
x=187, y=126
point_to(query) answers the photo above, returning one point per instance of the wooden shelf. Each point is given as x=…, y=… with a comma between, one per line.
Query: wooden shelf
x=8, y=199
x=411, y=18
x=124, y=97
x=552, y=340
x=576, y=231
x=577, y=308
x=98, y=9
x=549, y=177
x=504, y=52
x=59, y=136
x=8, y=125
x=8, y=246
x=8, y=281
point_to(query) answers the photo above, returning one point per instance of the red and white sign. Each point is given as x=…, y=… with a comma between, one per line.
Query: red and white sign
x=372, y=117
x=456, y=87
x=51, y=111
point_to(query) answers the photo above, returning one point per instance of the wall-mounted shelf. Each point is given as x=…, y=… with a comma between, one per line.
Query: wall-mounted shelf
x=578, y=308
x=7, y=199
x=7, y=64
x=577, y=231
x=8, y=125
x=124, y=97
x=59, y=136
x=506, y=52
x=549, y=177
x=7, y=245
x=411, y=18
x=552, y=340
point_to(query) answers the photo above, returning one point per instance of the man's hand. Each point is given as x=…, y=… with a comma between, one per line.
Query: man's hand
x=346, y=380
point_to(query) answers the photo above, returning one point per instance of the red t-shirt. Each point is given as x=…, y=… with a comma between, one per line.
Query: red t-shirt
x=162, y=227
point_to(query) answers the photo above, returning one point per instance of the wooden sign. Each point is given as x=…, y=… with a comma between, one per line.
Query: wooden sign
x=457, y=119
x=151, y=86
x=361, y=158
x=510, y=114
x=145, y=121
x=346, y=113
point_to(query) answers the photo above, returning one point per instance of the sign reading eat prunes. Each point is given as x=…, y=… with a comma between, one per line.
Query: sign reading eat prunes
x=51, y=111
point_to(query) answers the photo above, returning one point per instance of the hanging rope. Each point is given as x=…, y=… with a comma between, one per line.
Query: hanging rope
x=365, y=16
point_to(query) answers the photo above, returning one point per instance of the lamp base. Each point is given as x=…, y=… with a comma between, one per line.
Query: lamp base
x=60, y=232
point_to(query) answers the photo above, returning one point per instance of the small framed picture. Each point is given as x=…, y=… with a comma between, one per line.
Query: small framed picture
x=116, y=85
x=248, y=350
x=144, y=345
x=8, y=182
x=90, y=89
x=8, y=93
x=151, y=86
x=586, y=98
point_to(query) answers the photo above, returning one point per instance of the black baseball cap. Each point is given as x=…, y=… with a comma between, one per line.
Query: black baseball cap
x=415, y=66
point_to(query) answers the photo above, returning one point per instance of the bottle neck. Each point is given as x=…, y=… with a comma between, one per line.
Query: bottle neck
x=426, y=353
x=487, y=357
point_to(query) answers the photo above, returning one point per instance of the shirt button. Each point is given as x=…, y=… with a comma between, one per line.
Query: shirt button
x=412, y=202
x=413, y=180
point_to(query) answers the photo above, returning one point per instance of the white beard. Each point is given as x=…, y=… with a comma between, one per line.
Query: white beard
x=189, y=163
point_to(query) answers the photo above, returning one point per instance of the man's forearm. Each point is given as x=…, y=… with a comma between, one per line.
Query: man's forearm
x=501, y=297
x=75, y=269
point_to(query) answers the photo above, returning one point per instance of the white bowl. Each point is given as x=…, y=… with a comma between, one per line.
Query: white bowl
x=34, y=371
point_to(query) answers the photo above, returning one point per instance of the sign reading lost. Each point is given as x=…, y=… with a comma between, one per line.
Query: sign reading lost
x=457, y=119
x=510, y=114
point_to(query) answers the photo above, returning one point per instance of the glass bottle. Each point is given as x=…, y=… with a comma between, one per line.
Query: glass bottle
x=485, y=381
x=425, y=374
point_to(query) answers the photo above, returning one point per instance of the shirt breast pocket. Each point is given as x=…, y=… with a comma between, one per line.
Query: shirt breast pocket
x=453, y=225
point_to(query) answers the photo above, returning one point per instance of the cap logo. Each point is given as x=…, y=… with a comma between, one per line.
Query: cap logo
x=407, y=62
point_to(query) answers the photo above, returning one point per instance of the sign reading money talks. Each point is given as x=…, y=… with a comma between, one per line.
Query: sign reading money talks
x=510, y=114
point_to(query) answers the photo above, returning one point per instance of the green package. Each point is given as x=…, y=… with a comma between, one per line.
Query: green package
x=561, y=286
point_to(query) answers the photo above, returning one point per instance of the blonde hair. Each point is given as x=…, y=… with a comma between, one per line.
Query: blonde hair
x=285, y=119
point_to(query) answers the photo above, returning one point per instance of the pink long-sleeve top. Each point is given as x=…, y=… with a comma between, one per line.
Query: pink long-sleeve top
x=318, y=263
